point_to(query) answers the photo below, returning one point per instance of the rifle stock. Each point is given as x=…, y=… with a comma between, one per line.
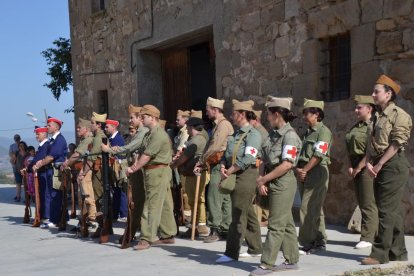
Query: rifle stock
x=107, y=214
x=36, y=222
x=62, y=223
x=26, y=218
x=72, y=192
x=177, y=194
x=127, y=236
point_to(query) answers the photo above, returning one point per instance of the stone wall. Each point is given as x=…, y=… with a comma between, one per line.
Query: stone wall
x=262, y=47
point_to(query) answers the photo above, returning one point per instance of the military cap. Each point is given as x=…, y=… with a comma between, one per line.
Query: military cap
x=258, y=114
x=311, y=103
x=363, y=99
x=57, y=121
x=196, y=113
x=134, y=109
x=150, y=110
x=215, y=103
x=112, y=122
x=383, y=79
x=39, y=129
x=246, y=105
x=281, y=102
x=183, y=113
x=84, y=123
x=194, y=121
x=98, y=117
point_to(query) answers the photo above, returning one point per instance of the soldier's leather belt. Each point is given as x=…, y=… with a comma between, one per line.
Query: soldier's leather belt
x=156, y=166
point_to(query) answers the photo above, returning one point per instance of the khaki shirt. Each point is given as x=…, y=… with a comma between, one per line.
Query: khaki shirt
x=356, y=140
x=193, y=150
x=135, y=143
x=157, y=145
x=180, y=139
x=317, y=142
x=265, y=135
x=96, y=146
x=84, y=143
x=248, y=147
x=392, y=125
x=282, y=144
x=221, y=132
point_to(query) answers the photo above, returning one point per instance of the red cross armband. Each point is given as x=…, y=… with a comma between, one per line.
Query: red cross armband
x=289, y=153
x=321, y=147
x=251, y=150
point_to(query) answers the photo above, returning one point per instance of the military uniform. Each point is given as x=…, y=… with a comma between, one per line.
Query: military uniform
x=316, y=142
x=219, y=216
x=244, y=146
x=283, y=145
x=93, y=162
x=391, y=126
x=356, y=143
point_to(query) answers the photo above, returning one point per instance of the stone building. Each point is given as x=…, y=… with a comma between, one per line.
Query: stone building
x=175, y=53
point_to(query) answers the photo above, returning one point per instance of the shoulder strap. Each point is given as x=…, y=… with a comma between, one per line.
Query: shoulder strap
x=236, y=148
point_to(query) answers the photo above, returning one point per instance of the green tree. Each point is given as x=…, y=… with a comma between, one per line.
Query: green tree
x=59, y=61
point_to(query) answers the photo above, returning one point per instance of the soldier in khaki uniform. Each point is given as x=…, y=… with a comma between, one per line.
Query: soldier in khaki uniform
x=186, y=162
x=219, y=216
x=136, y=179
x=386, y=162
x=313, y=176
x=356, y=143
x=261, y=202
x=155, y=157
x=94, y=161
x=85, y=175
x=240, y=160
x=278, y=181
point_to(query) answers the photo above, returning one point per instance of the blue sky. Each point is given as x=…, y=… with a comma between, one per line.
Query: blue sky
x=27, y=28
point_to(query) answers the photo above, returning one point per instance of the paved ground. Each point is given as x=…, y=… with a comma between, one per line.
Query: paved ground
x=33, y=251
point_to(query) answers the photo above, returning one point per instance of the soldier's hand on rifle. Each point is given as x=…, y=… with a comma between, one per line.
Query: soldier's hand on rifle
x=105, y=148
x=262, y=189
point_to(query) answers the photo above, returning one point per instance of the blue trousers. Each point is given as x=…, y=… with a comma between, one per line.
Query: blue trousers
x=119, y=203
x=45, y=187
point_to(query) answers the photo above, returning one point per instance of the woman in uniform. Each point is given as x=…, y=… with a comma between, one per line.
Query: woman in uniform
x=279, y=182
x=356, y=143
x=313, y=175
x=386, y=162
x=242, y=148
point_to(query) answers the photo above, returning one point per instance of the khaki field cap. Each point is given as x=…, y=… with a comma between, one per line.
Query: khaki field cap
x=246, y=105
x=363, y=99
x=182, y=113
x=281, y=102
x=215, y=103
x=258, y=114
x=311, y=103
x=383, y=79
x=134, y=109
x=98, y=117
x=196, y=113
x=150, y=110
x=84, y=123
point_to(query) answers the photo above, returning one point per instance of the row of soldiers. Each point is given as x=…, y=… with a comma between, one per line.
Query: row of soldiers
x=258, y=162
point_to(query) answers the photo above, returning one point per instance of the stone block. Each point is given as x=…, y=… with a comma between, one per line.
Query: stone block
x=266, y=52
x=272, y=13
x=291, y=8
x=282, y=46
x=363, y=76
x=371, y=10
x=389, y=42
x=386, y=25
x=305, y=86
x=310, y=50
x=284, y=29
x=226, y=81
x=394, y=8
x=408, y=39
x=250, y=21
x=281, y=88
x=362, y=43
x=275, y=69
x=402, y=70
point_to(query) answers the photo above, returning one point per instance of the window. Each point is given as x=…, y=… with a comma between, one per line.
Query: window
x=97, y=6
x=336, y=67
x=103, y=102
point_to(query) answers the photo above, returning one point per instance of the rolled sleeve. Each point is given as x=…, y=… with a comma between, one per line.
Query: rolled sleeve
x=400, y=132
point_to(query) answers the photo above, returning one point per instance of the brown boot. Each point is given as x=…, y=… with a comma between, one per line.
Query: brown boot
x=203, y=230
x=370, y=261
x=142, y=245
x=161, y=241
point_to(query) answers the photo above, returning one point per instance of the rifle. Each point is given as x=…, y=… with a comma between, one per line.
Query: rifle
x=62, y=223
x=27, y=211
x=177, y=194
x=72, y=192
x=107, y=210
x=127, y=236
x=194, y=214
x=36, y=222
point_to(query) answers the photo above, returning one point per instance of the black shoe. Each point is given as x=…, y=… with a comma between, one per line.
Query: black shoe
x=75, y=229
x=213, y=237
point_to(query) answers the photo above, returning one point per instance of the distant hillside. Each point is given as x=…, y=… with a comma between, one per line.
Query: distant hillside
x=3, y=151
x=6, y=141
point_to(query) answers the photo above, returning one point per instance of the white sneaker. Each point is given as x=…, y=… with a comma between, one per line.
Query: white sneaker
x=224, y=259
x=47, y=225
x=248, y=255
x=302, y=252
x=363, y=244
